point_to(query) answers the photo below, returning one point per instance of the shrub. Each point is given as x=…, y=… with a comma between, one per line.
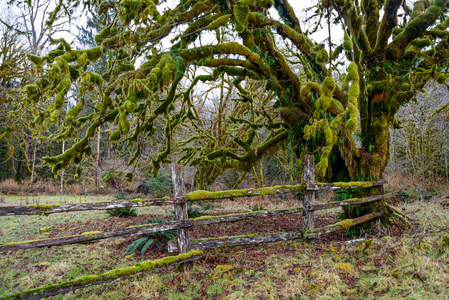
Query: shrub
x=122, y=212
x=256, y=207
x=160, y=186
x=113, y=178
x=158, y=239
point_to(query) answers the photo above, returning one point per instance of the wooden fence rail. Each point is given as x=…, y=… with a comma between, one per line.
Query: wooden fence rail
x=182, y=223
x=46, y=209
x=113, y=275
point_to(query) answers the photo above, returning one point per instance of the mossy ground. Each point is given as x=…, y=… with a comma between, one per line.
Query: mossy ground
x=412, y=263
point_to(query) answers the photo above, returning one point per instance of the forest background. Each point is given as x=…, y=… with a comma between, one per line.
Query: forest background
x=418, y=145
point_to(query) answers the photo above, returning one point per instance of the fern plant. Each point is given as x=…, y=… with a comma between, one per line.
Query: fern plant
x=122, y=212
x=343, y=194
x=158, y=239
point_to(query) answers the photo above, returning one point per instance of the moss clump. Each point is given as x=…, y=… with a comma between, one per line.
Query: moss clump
x=32, y=92
x=129, y=177
x=92, y=232
x=266, y=3
x=221, y=21
x=344, y=266
x=446, y=240
x=442, y=78
x=307, y=88
x=223, y=268
x=115, y=136
x=323, y=103
x=347, y=42
x=345, y=224
x=348, y=184
x=351, y=124
x=36, y=60
x=20, y=243
x=94, y=53
x=43, y=206
x=45, y=229
x=322, y=56
x=241, y=11
x=206, y=195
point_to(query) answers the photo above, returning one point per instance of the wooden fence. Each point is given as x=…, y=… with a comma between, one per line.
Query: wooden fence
x=182, y=223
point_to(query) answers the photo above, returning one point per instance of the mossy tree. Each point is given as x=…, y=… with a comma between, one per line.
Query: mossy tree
x=23, y=31
x=421, y=146
x=13, y=75
x=387, y=62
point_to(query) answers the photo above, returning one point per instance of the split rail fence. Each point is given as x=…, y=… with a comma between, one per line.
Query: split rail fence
x=187, y=248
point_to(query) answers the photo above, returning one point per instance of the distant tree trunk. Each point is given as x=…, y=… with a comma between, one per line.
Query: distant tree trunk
x=97, y=182
x=33, y=163
x=62, y=172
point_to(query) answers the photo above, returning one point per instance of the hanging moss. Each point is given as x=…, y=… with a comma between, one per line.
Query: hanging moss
x=115, y=136
x=32, y=92
x=93, y=54
x=335, y=107
x=241, y=11
x=36, y=60
x=347, y=42
x=220, y=22
x=78, y=173
x=168, y=70
x=322, y=57
x=323, y=103
x=93, y=78
x=266, y=3
x=351, y=124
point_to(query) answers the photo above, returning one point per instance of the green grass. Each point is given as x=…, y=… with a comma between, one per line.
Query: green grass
x=49, y=199
x=413, y=265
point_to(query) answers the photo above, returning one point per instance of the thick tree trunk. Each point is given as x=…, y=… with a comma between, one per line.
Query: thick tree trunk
x=97, y=162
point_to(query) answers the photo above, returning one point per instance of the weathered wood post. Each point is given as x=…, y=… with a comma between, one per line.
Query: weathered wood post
x=309, y=196
x=181, y=214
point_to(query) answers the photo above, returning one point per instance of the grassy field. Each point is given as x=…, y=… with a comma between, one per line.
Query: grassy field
x=392, y=262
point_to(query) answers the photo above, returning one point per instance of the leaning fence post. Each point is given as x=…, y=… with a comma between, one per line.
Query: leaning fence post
x=309, y=196
x=181, y=214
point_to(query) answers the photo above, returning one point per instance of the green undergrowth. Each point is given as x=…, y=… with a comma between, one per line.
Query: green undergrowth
x=389, y=265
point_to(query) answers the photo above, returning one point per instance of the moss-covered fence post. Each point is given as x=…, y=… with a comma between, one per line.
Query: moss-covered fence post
x=184, y=243
x=309, y=196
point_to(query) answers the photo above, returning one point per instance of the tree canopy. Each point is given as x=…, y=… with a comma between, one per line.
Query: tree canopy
x=335, y=99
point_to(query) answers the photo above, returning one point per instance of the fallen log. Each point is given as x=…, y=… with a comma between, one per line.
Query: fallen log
x=347, y=202
x=202, y=244
x=342, y=225
x=113, y=275
x=238, y=240
x=45, y=209
x=141, y=229
x=343, y=185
